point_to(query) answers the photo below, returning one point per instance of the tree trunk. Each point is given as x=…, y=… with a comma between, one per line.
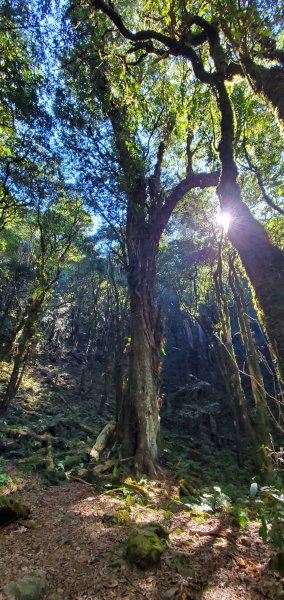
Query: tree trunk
x=229, y=368
x=268, y=83
x=263, y=262
x=262, y=427
x=257, y=384
x=138, y=423
x=19, y=363
x=9, y=346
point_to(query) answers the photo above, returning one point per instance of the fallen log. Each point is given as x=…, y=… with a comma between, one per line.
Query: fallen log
x=102, y=441
x=104, y=467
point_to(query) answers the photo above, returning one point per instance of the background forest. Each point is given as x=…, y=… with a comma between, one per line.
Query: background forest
x=142, y=284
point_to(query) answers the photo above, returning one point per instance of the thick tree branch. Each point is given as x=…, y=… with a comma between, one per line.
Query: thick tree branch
x=190, y=182
x=144, y=37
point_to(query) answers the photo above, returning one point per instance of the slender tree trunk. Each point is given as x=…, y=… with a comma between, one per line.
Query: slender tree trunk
x=229, y=368
x=121, y=358
x=230, y=377
x=262, y=426
x=19, y=363
x=257, y=384
x=9, y=346
x=263, y=262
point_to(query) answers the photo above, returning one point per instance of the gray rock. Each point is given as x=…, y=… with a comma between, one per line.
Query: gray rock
x=30, y=587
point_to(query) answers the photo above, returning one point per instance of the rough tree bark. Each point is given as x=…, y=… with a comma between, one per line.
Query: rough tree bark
x=263, y=262
x=139, y=430
x=266, y=82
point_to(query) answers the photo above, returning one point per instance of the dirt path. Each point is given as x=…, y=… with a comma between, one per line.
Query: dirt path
x=73, y=544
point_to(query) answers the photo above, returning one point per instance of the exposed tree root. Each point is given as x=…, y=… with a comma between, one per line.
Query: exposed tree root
x=79, y=480
x=218, y=534
x=138, y=489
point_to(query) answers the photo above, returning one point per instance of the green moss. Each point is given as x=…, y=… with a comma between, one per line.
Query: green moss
x=29, y=587
x=145, y=548
x=11, y=509
x=120, y=518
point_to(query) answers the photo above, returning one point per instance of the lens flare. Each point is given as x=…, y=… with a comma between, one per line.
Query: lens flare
x=224, y=220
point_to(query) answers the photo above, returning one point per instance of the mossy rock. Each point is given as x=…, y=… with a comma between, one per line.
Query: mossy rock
x=144, y=547
x=222, y=503
x=12, y=509
x=83, y=473
x=120, y=518
x=90, y=476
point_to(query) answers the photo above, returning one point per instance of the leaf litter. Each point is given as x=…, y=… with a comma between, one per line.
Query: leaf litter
x=82, y=554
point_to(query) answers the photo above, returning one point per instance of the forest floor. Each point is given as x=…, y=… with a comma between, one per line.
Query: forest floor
x=76, y=540
x=72, y=542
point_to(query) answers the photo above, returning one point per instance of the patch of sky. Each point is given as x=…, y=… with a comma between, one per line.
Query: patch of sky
x=96, y=223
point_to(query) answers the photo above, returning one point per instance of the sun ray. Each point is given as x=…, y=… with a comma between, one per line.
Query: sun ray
x=224, y=220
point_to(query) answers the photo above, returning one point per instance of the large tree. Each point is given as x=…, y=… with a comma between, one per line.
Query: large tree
x=181, y=33
x=149, y=188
